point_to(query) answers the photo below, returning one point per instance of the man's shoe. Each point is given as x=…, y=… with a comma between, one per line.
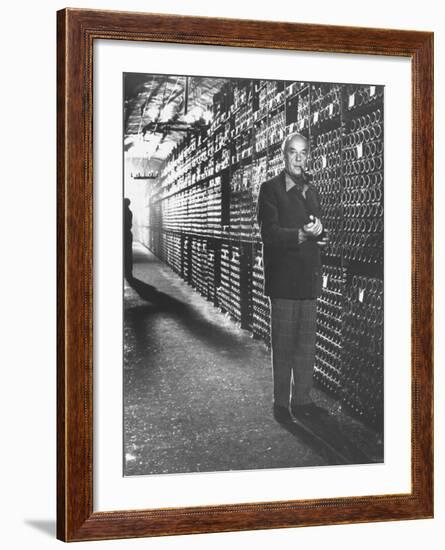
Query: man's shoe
x=282, y=414
x=310, y=410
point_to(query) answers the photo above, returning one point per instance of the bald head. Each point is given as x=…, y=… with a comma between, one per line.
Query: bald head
x=294, y=136
x=295, y=151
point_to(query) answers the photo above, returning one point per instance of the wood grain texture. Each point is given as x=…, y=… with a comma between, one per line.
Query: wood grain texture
x=77, y=30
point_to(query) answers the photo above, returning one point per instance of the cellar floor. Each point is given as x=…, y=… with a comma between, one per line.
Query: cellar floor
x=197, y=389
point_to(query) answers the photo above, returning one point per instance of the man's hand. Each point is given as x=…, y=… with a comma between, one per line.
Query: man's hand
x=324, y=241
x=313, y=228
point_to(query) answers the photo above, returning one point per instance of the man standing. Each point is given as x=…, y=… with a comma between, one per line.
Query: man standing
x=292, y=233
x=128, y=241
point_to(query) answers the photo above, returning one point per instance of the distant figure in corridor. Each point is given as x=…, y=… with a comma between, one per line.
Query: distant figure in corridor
x=128, y=241
x=292, y=235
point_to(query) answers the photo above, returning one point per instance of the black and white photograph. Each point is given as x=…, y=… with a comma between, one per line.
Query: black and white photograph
x=230, y=215
x=253, y=248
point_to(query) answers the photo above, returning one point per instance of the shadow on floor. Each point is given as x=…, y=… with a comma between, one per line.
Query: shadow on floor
x=47, y=526
x=160, y=300
x=215, y=336
x=318, y=444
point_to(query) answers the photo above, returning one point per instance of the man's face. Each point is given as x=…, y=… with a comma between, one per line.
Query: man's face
x=295, y=155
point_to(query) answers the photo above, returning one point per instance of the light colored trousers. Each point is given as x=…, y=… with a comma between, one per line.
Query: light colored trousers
x=293, y=331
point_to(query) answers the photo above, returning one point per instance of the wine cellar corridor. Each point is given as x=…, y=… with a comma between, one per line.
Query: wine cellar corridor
x=197, y=373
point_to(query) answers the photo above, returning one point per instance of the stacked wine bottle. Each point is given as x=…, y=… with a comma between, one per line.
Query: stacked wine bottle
x=202, y=218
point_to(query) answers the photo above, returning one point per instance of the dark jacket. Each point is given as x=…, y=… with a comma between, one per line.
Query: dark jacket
x=291, y=270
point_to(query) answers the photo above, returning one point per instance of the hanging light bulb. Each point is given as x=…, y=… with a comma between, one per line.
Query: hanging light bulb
x=207, y=115
x=167, y=112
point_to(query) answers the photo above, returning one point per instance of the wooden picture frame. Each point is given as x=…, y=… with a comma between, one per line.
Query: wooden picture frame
x=77, y=31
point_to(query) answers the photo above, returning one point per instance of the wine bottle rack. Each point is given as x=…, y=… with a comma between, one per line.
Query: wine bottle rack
x=202, y=219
